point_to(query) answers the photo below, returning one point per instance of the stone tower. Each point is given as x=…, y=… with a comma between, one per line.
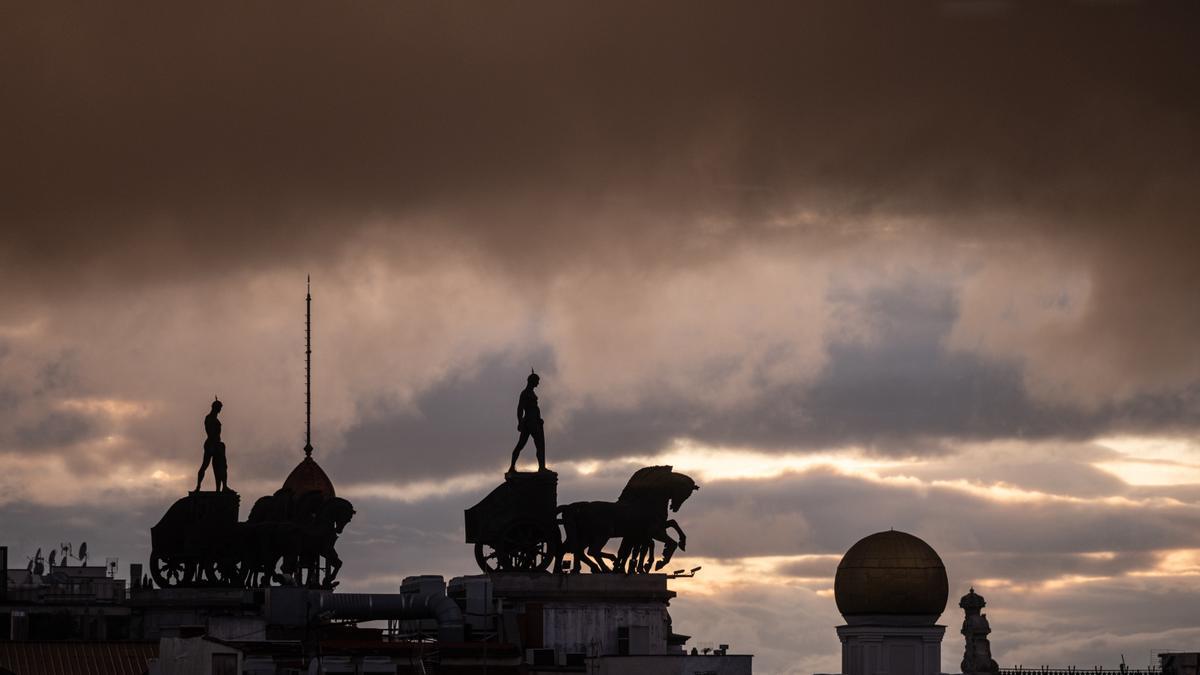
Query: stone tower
x=977, y=654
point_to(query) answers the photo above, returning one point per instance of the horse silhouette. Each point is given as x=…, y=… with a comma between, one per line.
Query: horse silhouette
x=640, y=517
x=285, y=536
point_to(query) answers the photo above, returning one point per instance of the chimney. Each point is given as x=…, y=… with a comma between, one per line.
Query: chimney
x=4, y=572
x=135, y=575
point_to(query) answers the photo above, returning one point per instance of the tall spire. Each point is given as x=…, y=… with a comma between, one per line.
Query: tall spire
x=308, y=448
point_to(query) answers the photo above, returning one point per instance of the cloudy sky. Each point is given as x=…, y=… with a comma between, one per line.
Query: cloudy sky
x=852, y=266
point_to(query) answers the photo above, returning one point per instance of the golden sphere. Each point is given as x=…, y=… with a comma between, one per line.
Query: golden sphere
x=891, y=573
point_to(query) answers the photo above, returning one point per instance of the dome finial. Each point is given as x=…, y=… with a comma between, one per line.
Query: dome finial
x=308, y=448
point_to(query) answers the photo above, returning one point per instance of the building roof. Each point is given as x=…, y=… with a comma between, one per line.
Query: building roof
x=77, y=658
x=308, y=476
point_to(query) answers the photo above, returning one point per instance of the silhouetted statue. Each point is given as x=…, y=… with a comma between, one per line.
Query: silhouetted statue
x=640, y=517
x=199, y=541
x=214, y=450
x=529, y=423
x=977, y=656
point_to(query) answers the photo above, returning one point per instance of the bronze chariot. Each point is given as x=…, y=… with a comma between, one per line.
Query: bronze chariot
x=515, y=528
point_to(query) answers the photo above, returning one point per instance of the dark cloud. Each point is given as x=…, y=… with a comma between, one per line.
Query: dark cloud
x=1155, y=617
x=1025, y=468
x=821, y=512
x=183, y=142
x=152, y=147
x=470, y=415
x=54, y=431
x=1034, y=566
x=900, y=392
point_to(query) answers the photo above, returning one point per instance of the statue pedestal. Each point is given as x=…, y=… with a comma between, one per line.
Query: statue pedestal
x=557, y=615
x=891, y=648
x=546, y=477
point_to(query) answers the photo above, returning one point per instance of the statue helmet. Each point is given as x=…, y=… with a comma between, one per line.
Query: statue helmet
x=532, y=376
x=216, y=402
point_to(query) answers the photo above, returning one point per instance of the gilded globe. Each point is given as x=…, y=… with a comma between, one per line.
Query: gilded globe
x=891, y=574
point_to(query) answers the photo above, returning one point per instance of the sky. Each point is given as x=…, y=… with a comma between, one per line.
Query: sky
x=852, y=266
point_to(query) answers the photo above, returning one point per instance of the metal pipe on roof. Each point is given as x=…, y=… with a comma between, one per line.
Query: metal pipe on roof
x=375, y=606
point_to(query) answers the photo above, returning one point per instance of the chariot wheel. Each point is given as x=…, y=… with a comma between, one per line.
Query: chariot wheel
x=529, y=546
x=491, y=559
x=169, y=572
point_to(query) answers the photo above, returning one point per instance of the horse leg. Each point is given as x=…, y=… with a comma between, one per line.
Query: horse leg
x=596, y=553
x=572, y=542
x=647, y=558
x=291, y=569
x=605, y=554
x=633, y=551
x=636, y=551
x=264, y=569
x=559, y=556
x=626, y=554
x=580, y=557
x=307, y=578
x=671, y=524
x=332, y=564
x=669, y=546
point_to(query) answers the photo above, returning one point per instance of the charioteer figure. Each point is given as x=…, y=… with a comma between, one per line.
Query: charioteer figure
x=214, y=450
x=529, y=423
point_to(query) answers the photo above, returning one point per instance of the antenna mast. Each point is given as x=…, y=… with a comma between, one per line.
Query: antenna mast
x=308, y=367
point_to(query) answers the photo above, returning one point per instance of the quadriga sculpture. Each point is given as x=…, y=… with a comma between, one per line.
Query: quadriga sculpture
x=199, y=541
x=640, y=516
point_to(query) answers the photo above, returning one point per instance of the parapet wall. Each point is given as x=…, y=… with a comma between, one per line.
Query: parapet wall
x=597, y=588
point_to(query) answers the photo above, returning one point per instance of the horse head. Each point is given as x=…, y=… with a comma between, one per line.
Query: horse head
x=659, y=482
x=338, y=511
x=682, y=487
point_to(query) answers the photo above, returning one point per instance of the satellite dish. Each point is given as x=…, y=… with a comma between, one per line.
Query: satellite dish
x=53, y=558
x=83, y=553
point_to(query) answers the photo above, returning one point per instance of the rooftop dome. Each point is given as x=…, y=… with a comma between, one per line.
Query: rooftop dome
x=891, y=574
x=308, y=476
